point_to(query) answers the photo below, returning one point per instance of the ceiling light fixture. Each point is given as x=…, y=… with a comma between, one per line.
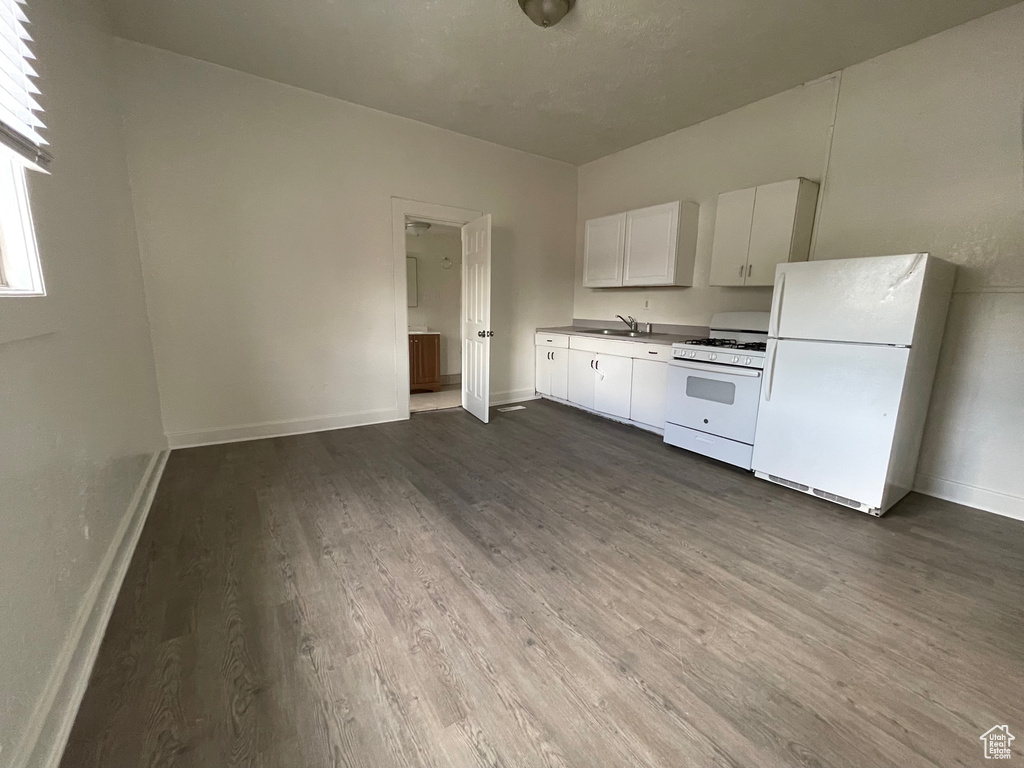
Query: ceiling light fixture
x=546, y=13
x=416, y=228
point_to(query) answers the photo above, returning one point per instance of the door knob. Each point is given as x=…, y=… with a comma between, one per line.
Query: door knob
x=490, y=334
x=481, y=334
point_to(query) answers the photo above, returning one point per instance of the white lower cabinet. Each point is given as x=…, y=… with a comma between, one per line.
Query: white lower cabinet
x=625, y=380
x=647, y=395
x=613, y=384
x=581, y=378
x=553, y=372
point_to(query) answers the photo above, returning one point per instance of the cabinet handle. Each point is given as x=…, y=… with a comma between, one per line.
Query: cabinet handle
x=750, y=268
x=741, y=270
x=552, y=355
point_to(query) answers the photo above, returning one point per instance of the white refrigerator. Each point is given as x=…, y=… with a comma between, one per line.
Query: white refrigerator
x=852, y=350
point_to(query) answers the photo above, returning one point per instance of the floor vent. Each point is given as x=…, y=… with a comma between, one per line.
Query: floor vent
x=789, y=483
x=837, y=499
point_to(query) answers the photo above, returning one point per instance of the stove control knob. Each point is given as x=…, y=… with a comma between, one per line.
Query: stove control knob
x=735, y=358
x=712, y=356
x=748, y=361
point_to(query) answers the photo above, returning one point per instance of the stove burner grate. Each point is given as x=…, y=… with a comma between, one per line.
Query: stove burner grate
x=752, y=346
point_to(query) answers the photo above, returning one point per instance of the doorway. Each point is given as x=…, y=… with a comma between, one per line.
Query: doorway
x=465, y=355
x=433, y=275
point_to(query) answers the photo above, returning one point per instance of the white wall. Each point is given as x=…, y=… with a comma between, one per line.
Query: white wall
x=779, y=138
x=264, y=215
x=440, y=291
x=79, y=420
x=927, y=155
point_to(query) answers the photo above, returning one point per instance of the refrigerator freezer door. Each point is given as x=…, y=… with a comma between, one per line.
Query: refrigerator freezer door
x=828, y=415
x=865, y=301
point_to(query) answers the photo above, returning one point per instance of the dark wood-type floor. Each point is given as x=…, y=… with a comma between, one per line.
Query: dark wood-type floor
x=549, y=590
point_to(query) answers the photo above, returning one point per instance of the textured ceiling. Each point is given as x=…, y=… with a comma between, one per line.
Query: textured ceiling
x=611, y=75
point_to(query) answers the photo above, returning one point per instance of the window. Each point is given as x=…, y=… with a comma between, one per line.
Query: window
x=21, y=147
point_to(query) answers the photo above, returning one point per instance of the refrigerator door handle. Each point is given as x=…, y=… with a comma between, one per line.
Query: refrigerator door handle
x=776, y=316
x=774, y=352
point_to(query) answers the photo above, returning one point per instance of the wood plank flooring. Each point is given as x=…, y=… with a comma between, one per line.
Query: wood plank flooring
x=549, y=590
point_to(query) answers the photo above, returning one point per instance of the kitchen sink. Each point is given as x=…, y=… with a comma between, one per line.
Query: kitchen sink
x=616, y=332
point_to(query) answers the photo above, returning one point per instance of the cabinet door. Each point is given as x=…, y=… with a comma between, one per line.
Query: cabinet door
x=647, y=398
x=613, y=385
x=581, y=378
x=732, y=237
x=652, y=235
x=771, y=231
x=543, y=385
x=559, y=373
x=602, y=251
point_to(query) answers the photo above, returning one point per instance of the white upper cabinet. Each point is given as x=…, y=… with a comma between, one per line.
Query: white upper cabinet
x=602, y=251
x=661, y=245
x=732, y=237
x=759, y=228
x=655, y=246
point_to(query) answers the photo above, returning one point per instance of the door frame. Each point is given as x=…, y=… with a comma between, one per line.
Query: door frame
x=434, y=214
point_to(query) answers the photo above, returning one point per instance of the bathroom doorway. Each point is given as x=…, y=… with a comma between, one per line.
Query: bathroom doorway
x=433, y=254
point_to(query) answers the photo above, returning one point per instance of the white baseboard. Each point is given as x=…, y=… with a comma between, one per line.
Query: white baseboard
x=970, y=495
x=513, y=396
x=245, y=432
x=47, y=732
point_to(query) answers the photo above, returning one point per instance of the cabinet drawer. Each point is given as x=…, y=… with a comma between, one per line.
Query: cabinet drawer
x=552, y=340
x=716, y=447
x=604, y=346
x=662, y=352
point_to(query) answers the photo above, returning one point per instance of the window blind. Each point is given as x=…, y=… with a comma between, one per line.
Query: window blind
x=20, y=125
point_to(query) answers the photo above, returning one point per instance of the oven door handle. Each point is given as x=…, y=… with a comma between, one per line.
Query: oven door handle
x=722, y=370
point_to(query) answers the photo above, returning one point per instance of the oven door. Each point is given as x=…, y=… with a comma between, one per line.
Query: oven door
x=718, y=399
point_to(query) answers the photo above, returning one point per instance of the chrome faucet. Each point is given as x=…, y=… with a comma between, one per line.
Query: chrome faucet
x=630, y=321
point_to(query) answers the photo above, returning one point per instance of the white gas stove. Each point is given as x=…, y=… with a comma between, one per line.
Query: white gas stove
x=714, y=387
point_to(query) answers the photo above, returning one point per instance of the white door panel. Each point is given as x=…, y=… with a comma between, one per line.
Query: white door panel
x=771, y=231
x=613, y=385
x=868, y=301
x=828, y=415
x=580, y=385
x=559, y=373
x=603, y=245
x=647, y=396
x=732, y=237
x=652, y=235
x=476, y=317
x=543, y=358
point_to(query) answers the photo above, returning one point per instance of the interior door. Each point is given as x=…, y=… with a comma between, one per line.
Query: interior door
x=771, y=231
x=828, y=415
x=732, y=237
x=476, y=317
